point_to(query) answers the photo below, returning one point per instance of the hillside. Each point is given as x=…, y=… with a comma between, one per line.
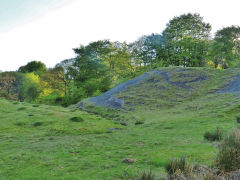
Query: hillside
x=164, y=114
x=168, y=87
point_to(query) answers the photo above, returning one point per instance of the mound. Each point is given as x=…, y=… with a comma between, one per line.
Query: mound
x=158, y=87
x=109, y=99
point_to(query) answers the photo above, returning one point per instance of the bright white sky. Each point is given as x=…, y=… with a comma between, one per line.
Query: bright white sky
x=51, y=35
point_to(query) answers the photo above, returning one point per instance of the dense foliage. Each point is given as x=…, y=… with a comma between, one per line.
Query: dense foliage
x=98, y=66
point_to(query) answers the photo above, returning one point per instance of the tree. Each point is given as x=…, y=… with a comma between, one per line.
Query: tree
x=89, y=71
x=7, y=83
x=118, y=59
x=57, y=79
x=29, y=87
x=33, y=66
x=187, y=40
x=147, y=50
x=225, y=49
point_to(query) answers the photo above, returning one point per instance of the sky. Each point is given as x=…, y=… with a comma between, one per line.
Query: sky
x=47, y=30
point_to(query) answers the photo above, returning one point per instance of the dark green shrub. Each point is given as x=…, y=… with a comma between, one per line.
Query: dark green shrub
x=58, y=100
x=178, y=165
x=20, y=123
x=214, y=136
x=36, y=105
x=228, y=158
x=138, y=122
x=32, y=93
x=37, y=124
x=76, y=119
x=21, y=108
x=52, y=99
x=74, y=98
x=90, y=87
x=105, y=84
x=73, y=110
x=238, y=119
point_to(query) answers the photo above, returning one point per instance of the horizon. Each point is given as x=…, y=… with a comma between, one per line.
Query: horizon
x=48, y=31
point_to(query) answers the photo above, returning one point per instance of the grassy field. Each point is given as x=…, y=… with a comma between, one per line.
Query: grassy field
x=39, y=142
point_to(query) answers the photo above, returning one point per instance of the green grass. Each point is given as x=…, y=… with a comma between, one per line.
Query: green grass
x=48, y=145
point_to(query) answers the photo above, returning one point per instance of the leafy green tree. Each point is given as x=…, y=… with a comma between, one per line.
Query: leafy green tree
x=143, y=51
x=118, y=60
x=147, y=50
x=88, y=70
x=187, y=40
x=63, y=73
x=225, y=49
x=29, y=87
x=33, y=66
x=57, y=80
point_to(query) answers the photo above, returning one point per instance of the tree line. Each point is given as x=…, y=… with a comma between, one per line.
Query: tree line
x=186, y=41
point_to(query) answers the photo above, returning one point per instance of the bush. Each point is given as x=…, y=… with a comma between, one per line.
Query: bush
x=35, y=105
x=76, y=95
x=90, y=87
x=76, y=119
x=238, y=119
x=21, y=108
x=214, y=136
x=105, y=84
x=228, y=158
x=37, y=124
x=179, y=166
x=138, y=122
x=20, y=123
x=52, y=99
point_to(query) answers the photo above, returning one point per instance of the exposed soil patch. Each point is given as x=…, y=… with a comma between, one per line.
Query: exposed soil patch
x=232, y=87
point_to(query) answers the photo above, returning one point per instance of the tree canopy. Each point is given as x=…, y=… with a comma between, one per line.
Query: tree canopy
x=33, y=66
x=100, y=65
x=225, y=49
x=187, y=40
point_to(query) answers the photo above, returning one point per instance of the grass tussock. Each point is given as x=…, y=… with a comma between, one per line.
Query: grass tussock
x=228, y=157
x=179, y=166
x=216, y=135
x=146, y=175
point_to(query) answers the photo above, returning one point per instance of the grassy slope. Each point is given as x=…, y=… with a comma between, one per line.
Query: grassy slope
x=175, y=120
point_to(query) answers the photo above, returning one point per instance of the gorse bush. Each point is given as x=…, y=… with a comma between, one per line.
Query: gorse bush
x=214, y=136
x=179, y=166
x=228, y=158
x=77, y=119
